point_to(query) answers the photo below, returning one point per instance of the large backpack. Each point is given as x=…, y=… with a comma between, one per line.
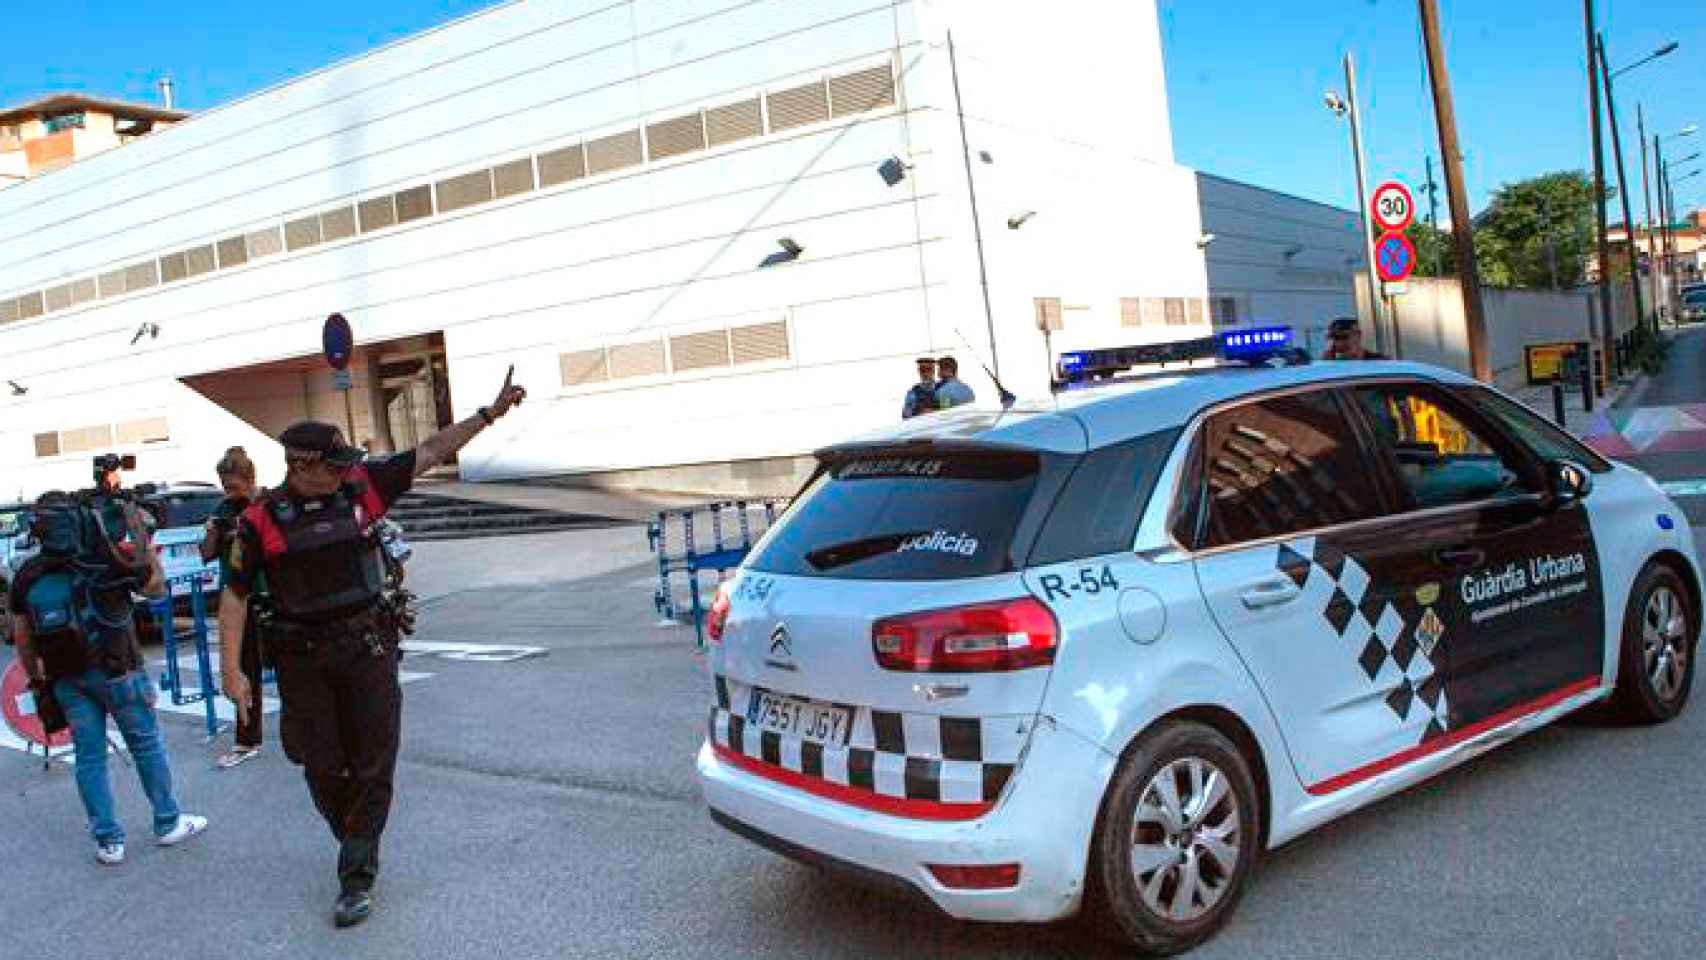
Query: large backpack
x=61, y=585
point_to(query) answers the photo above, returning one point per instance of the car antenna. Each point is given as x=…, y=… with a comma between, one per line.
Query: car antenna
x=1006, y=395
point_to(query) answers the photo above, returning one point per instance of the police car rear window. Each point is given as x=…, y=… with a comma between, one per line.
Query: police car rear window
x=904, y=518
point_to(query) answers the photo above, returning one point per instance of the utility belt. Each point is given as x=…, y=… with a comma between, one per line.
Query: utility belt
x=382, y=625
x=280, y=637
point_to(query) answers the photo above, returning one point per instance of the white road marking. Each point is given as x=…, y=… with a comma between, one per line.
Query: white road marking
x=473, y=652
x=1684, y=488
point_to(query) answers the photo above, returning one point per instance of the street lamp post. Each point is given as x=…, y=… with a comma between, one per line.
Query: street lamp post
x=1617, y=151
x=1349, y=110
x=1667, y=194
x=1674, y=181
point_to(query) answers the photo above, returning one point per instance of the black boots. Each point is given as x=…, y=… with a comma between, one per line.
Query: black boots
x=353, y=907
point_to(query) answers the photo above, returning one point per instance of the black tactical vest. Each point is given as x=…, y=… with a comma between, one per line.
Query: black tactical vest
x=322, y=561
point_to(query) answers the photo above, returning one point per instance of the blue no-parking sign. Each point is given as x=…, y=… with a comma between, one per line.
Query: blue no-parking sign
x=1394, y=257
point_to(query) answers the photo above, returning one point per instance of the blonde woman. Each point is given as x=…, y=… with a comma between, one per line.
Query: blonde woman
x=237, y=475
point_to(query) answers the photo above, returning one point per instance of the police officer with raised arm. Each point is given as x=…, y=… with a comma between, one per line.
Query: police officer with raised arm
x=330, y=629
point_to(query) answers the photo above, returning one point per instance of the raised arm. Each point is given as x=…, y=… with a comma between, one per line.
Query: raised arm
x=439, y=447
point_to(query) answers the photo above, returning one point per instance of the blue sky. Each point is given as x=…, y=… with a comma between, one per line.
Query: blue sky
x=1245, y=78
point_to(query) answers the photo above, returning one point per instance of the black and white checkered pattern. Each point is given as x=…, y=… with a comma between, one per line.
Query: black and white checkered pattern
x=903, y=756
x=1372, y=625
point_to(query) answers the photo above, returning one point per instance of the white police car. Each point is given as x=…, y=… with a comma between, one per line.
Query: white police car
x=1102, y=650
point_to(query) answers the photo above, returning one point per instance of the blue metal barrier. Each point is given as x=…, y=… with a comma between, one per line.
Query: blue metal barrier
x=172, y=681
x=750, y=518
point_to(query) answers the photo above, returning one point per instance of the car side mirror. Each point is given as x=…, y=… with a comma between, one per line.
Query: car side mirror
x=1567, y=482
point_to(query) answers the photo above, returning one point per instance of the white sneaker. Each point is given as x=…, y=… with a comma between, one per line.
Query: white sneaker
x=188, y=826
x=109, y=854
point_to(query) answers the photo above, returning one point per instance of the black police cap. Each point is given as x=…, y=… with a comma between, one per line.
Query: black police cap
x=1340, y=324
x=315, y=436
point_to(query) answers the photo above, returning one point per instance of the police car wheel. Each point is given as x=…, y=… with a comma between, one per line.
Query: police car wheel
x=1660, y=638
x=1177, y=838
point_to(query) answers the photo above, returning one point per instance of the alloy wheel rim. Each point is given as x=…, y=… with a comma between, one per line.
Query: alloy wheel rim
x=1186, y=839
x=1664, y=643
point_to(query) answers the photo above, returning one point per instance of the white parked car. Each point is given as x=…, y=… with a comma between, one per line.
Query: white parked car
x=1102, y=650
x=181, y=511
x=14, y=550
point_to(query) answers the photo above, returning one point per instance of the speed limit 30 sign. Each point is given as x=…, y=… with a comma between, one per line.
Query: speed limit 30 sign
x=1393, y=207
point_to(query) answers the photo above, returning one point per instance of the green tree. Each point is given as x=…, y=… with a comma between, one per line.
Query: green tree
x=1435, y=255
x=1537, y=232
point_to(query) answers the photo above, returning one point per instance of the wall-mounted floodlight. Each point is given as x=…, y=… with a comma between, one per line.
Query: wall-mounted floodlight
x=985, y=156
x=17, y=391
x=1017, y=220
x=893, y=170
x=788, y=254
x=1204, y=240
x=150, y=330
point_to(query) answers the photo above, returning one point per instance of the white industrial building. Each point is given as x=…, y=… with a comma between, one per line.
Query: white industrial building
x=666, y=214
x=1276, y=259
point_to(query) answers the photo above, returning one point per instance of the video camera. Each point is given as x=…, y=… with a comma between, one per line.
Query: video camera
x=108, y=462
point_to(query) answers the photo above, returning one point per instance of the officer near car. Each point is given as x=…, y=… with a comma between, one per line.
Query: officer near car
x=330, y=629
x=1344, y=341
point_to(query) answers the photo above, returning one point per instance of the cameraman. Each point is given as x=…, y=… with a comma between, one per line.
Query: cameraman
x=85, y=650
x=237, y=475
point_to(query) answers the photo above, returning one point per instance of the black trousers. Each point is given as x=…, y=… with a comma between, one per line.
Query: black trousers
x=340, y=717
x=249, y=731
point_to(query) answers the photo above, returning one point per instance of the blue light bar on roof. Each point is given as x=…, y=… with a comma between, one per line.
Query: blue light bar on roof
x=1254, y=342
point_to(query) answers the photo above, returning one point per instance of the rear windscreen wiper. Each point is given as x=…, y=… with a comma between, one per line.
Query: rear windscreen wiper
x=853, y=551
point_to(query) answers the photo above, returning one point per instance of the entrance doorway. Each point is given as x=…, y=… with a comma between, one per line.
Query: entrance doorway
x=414, y=383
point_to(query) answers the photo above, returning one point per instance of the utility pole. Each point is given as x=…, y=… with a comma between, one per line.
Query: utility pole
x=1622, y=183
x=1432, y=190
x=1551, y=246
x=1664, y=222
x=1647, y=200
x=1375, y=300
x=1462, y=229
x=1604, y=246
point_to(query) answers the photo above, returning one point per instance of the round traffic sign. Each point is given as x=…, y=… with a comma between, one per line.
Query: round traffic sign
x=1393, y=207
x=337, y=340
x=18, y=705
x=1394, y=257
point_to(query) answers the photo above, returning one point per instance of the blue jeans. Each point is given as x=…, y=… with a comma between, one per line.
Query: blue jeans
x=88, y=700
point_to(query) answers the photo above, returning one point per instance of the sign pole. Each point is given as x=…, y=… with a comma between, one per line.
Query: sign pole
x=349, y=412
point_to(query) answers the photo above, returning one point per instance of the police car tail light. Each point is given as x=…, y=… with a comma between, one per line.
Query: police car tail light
x=987, y=637
x=719, y=617
x=994, y=876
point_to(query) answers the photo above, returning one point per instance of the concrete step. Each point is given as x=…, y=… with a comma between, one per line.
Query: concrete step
x=478, y=533
x=411, y=514
x=436, y=517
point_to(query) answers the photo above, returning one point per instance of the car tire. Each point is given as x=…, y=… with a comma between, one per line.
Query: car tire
x=1661, y=634
x=1180, y=839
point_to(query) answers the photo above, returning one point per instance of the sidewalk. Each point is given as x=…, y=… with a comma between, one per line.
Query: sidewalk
x=1601, y=429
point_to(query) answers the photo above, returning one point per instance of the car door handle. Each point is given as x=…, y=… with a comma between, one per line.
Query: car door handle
x=1270, y=593
x=1467, y=557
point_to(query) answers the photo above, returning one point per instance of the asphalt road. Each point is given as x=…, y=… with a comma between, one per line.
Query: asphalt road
x=546, y=808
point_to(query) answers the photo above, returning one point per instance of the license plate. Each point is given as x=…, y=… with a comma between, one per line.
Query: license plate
x=817, y=722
